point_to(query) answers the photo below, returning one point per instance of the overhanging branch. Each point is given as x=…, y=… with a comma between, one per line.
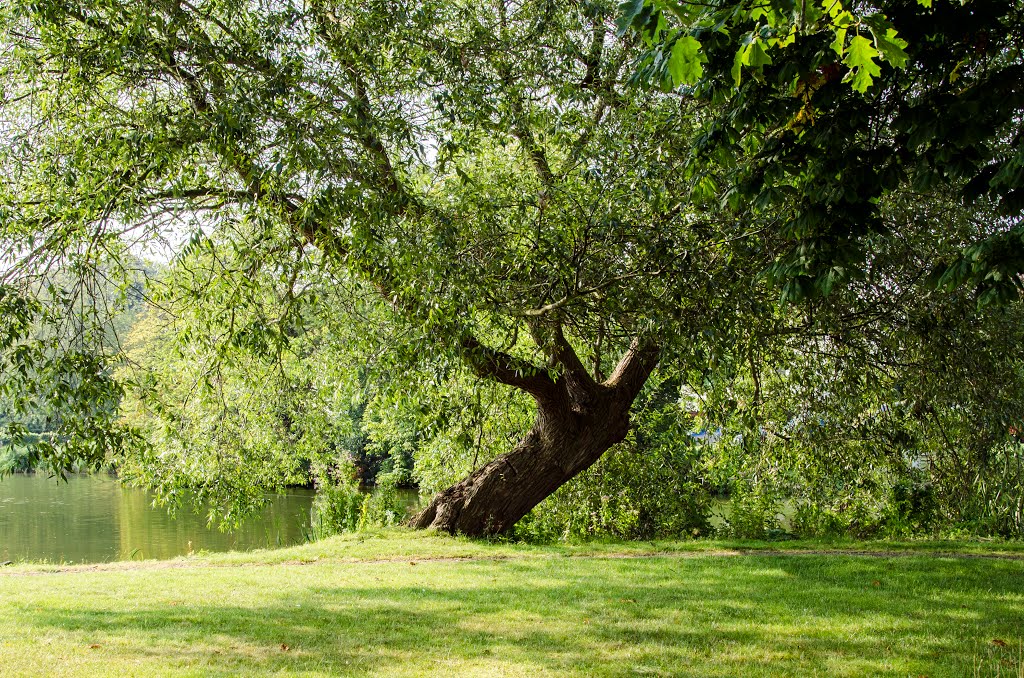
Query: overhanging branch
x=505, y=368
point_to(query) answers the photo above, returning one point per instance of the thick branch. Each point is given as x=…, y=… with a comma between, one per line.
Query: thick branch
x=521, y=130
x=551, y=339
x=369, y=139
x=636, y=366
x=536, y=153
x=593, y=59
x=561, y=350
x=209, y=192
x=603, y=88
x=506, y=369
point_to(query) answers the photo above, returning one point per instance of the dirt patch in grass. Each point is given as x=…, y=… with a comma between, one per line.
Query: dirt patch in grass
x=129, y=566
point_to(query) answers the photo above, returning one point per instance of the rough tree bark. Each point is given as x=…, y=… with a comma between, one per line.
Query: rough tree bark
x=577, y=421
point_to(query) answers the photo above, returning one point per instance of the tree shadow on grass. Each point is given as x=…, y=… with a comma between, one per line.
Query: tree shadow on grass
x=702, y=616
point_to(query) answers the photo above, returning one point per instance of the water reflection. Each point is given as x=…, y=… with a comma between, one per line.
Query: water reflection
x=96, y=519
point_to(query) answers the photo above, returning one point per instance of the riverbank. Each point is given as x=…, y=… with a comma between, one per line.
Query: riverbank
x=402, y=603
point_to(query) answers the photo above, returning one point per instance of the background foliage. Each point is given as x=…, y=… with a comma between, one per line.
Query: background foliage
x=813, y=210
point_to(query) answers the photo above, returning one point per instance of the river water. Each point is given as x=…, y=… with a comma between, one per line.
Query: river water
x=93, y=518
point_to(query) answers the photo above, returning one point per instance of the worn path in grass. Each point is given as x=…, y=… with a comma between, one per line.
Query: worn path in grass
x=400, y=604
x=192, y=563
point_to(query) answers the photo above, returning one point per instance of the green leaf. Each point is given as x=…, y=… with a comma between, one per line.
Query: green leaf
x=832, y=7
x=788, y=40
x=684, y=65
x=628, y=12
x=839, y=44
x=861, y=52
x=890, y=46
x=755, y=56
x=809, y=14
x=737, y=68
x=860, y=57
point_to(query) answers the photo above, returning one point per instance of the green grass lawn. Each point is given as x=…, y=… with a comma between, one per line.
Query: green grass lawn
x=400, y=603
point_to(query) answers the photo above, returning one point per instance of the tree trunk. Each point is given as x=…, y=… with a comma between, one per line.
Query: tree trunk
x=577, y=422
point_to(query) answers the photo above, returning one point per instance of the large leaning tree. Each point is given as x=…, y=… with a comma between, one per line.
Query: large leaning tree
x=501, y=174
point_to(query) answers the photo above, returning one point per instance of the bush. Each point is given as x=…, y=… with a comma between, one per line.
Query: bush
x=630, y=493
x=338, y=507
x=341, y=506
x=383, y=506
x=752, y=515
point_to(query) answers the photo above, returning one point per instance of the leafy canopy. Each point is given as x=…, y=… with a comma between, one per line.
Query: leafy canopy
x=492, y=174
x=824, y=108
x=486, y=169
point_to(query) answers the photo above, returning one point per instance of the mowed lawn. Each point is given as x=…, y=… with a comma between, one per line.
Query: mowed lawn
x=399, y=604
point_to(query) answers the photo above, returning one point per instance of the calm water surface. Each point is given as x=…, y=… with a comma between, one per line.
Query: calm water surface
x=96, y=519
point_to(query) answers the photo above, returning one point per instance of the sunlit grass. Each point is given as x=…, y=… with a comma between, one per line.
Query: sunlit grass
x=359, y=606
